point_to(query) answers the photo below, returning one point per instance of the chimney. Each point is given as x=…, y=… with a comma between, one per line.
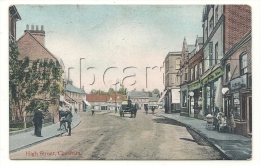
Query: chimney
x=38, y=34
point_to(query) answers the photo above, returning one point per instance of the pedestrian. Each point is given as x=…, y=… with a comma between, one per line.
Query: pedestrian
x=93, y=111
x=231, y=122
x=69, y=120
x=37, y=120
x=135, y=110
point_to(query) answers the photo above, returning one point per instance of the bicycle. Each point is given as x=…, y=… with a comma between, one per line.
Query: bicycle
x=63, y=126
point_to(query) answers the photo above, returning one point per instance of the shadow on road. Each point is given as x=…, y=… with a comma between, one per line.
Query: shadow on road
x=168, y=121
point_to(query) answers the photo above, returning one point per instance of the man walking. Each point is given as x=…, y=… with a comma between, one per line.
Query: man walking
x=37, y=120
x=69, y=120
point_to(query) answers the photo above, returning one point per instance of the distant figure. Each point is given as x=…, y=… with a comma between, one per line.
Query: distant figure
x=146, y=109
x=153, y=107
x=135, y=110
x=69, y=120
x=231, y=122
x=93, y=111
x=37, y=120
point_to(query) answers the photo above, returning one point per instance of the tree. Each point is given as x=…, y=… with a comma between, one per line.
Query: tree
x=122, y=90
x=156, y=91
x=150, y=94
x=111, y=91
x=31, y=82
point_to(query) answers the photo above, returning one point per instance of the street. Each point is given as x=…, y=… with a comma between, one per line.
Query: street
x=107, y=136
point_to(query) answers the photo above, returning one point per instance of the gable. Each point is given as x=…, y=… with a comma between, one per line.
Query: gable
x=29, y=46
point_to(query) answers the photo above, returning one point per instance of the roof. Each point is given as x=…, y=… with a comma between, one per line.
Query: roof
x=117, y=96
x=96, y=98
x=153, y=99
x=199, y=40
x=72, y=88
x=137, y=94
x=190, y=48
x=14, y=12
x=27, y=32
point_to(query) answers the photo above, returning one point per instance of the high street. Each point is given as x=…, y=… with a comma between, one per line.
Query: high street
x=107, y=136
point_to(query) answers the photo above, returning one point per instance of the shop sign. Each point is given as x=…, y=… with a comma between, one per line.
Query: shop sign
x=212, y=76
x=194, y=85
x=239, y=83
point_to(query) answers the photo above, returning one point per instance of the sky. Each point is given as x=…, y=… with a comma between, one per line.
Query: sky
x=112, y=38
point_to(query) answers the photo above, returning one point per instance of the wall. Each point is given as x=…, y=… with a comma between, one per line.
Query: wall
x=237, y=24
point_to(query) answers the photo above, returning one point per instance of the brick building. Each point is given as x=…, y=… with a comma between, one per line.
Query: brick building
x=237, y=64
x=187, y=51
x=196, y=70
x=32, y=44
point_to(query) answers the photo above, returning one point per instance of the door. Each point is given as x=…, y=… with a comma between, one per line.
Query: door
x=250, y=113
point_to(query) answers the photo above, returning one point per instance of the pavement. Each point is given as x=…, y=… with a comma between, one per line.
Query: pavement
x=233, y=146
x=26, y=138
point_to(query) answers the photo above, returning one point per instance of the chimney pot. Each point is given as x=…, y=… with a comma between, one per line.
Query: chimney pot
x=36, y=27
x=32, y=27
x=27, y=27
x=42, y=28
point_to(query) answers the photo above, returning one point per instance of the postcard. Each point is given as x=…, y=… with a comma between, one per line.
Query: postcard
x=130, y=82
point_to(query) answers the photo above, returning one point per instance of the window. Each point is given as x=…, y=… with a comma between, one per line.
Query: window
x=228, y=73
x=184, y=100
x=211, y=22
x=216, y=15
x=243, y=64
x=236, y=104
x=208, y=56
x=200, y=69
x=216, y=53
x=177, y=64
x=191, y=74
x=186, y=75
x=195, y=72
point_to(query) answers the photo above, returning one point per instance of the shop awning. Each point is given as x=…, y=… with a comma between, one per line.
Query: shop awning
x=67, y=102
x=162, y=96
x=86, y=102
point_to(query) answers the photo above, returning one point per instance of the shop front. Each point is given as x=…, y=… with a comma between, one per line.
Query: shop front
x=240, y=99
x=195, y=98
x=184, y=100
x=212, y=92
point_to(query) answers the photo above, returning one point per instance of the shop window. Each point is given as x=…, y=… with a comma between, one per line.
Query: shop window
x=184, y=99
x=236, y=105
x=228, y=73
x=243, y=64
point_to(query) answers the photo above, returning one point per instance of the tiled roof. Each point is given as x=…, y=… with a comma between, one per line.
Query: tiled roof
x=137, y=94
x=153, y=99
x=96, y=98
x=117, y=96
x=72, y=88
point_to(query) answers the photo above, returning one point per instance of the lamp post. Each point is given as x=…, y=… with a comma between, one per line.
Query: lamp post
x=146, y=75
x=69, y=73
x=80, y=72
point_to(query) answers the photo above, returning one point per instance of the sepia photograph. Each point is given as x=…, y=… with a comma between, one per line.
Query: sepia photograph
x=129, y=82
